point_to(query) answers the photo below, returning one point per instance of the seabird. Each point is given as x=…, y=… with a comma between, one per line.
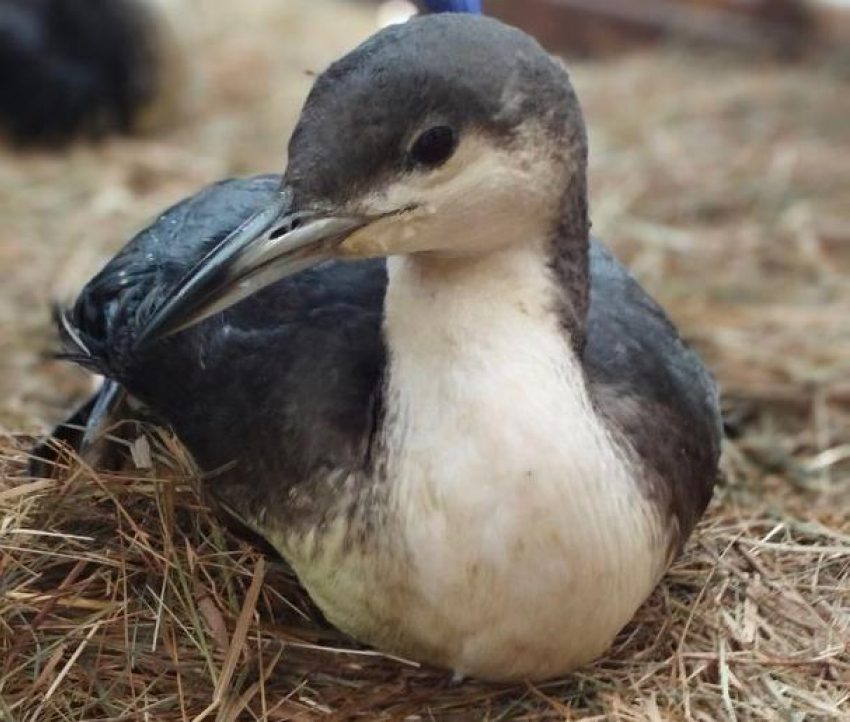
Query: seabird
x=405, y=365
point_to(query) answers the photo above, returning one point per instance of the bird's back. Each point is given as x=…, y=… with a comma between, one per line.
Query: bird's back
x=282, y=384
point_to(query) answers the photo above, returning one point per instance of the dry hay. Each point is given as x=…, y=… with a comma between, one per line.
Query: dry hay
x=725, y=187
x=123, y=596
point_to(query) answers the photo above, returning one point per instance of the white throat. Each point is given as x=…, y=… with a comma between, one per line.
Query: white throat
x=529, y=544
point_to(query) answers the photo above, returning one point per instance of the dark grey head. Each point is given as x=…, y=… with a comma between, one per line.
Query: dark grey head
x=471, y=75
x=451, y=134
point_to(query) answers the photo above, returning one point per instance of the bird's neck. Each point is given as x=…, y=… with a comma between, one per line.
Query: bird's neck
x=542, y=282
x=509, y=317
x=475, y=339
x=467, y=299
x=568, y=250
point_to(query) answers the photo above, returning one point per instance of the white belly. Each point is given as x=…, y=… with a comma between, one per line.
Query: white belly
x=516, y=547
x=517, y=541
x=529, y=543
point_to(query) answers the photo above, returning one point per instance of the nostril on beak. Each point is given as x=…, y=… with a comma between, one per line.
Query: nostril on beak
x=290, y=225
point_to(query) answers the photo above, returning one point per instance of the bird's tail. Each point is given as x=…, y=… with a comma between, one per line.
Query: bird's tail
x=85, y=431
x=76, y=349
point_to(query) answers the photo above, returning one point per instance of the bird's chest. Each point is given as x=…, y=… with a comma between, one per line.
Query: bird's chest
x=465, y=450
x=522, y=541
x=489, y=459
x=513, y=541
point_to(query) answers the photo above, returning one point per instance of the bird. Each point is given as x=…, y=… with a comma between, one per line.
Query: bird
x=405, y=364
x=72, y=70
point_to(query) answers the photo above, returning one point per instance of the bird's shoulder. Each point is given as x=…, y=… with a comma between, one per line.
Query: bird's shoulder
x=282, y=383
x=630, y=336
x=283, y=389
x=322, y=324
x=653, y=388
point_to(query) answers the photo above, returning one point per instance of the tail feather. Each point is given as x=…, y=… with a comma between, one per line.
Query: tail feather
x=105, y=409
x=94, y=432
x=85, y=430
x=70, y=334
x=70, y=436
x=75, y=349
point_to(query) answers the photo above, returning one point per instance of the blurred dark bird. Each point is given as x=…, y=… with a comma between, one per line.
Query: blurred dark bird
x=474, y=437
x=82, y=68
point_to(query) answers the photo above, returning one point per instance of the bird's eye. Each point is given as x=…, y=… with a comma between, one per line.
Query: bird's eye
x=434, y=147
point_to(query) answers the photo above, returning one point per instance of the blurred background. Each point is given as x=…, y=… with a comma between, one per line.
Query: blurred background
x=720, y=165
x=720, y=172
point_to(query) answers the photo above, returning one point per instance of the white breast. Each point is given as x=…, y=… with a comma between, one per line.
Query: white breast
x=528, y=543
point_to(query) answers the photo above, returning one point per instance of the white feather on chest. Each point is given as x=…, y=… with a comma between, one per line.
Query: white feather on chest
x=528, y=540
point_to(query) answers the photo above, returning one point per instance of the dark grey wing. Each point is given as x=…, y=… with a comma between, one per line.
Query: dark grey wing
x=98, y=331
x=278, y=391
x=115, y=303
x=654, y=388
x=266, y=395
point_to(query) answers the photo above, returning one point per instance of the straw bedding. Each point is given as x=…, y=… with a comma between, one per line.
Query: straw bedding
x=723, y=184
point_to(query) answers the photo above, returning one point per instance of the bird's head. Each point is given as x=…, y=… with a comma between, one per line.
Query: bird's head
x=448, y=135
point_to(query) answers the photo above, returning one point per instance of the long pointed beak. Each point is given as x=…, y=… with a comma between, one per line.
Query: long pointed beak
x=269, y=246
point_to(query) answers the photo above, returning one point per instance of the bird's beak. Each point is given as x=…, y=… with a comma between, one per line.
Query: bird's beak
x=274, y=243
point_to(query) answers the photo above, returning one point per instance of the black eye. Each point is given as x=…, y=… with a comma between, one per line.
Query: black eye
x=434, y=147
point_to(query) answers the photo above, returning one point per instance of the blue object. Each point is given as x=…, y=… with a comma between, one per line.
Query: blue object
x=451, y=6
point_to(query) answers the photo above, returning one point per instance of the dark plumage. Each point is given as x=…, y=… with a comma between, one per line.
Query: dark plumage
x=77, y=68
x=300, y=359
x=464, y=90
x=416, y=435
x=316, y=337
